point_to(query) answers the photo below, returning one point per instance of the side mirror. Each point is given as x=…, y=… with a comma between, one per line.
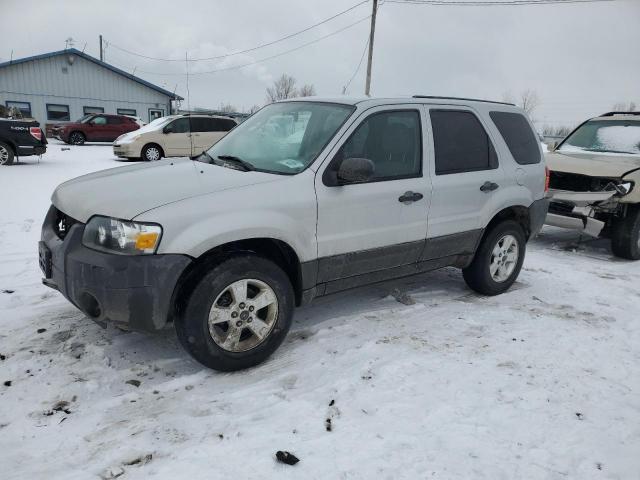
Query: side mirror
x=167, y=129
x=355, y=170
x=553, y=146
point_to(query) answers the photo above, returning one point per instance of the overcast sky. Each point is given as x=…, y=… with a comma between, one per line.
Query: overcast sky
x=579, y=58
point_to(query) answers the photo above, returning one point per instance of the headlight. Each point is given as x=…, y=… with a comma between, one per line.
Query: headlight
x=121, y=236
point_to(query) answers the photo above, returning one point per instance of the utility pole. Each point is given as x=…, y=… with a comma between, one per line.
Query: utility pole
x=367, y=87
x=101, y=57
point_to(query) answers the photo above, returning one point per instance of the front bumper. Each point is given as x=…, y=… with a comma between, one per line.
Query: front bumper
x=125, y=150
x=132, y=291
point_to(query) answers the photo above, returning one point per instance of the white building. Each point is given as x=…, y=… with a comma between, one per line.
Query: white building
x=65, y=85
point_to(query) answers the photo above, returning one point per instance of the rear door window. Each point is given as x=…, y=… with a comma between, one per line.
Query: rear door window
x=519, y=137
x=461, y=143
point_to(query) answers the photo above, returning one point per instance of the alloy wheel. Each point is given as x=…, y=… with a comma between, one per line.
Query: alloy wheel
x=504, y=258
x=243, y=315
x=4, y=155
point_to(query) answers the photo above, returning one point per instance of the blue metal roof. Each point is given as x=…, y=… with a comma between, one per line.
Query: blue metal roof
x=97, y=62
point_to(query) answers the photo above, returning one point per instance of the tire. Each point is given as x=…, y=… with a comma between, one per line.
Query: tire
x=77, y=138
x=625, y=235
x=220, y=344
x=6, y=154
x=151, y=153
x=478, y=275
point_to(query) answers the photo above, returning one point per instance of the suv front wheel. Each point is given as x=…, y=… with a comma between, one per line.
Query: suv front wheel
x=238, y=313
x=498, y=260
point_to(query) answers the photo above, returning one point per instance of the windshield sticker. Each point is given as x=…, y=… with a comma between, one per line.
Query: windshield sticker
x=291, y=163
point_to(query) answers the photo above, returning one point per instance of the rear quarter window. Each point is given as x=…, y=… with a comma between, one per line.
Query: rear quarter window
x=518, y=136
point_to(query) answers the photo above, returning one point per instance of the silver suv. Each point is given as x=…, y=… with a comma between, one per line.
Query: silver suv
x=303, y=199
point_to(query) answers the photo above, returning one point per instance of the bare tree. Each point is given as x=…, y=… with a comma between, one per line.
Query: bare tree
x=283, y=88
x=556, y=131
x=308, y=90
x=529, y=101
x=227, y=108
x=254, y=109
x=624, y=107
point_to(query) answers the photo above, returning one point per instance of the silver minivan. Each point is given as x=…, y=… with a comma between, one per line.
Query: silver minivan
x=305, y=198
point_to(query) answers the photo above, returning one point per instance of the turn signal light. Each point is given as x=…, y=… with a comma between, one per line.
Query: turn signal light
x=146, y=240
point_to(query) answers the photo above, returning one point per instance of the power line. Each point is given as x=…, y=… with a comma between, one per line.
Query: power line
x=364, y=51
x=257, y=47
x=236, y=67
x=490, y=3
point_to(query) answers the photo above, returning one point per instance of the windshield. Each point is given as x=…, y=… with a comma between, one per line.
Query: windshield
x=614, y=136
x=282, y=137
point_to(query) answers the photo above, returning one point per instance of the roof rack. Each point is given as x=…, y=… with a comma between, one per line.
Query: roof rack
x=462, y=98
x=611, y=114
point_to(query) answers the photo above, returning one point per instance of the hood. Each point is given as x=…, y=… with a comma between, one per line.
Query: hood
x=126, y=192
x=592, y=164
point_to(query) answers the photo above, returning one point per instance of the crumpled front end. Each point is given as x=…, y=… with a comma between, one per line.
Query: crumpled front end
x=584, y=203
x=131, y=291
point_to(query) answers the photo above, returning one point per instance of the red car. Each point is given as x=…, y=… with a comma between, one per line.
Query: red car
x=100, y=127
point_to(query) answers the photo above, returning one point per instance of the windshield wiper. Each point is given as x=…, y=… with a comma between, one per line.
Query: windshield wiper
x=237, y=161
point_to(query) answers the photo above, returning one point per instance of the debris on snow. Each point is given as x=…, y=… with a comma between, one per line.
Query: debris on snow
x=286, y=457
x=111, y=473
x=41, y=330
x=141, y=460
x=402, y=297
x=8, y=291
x=134, y=382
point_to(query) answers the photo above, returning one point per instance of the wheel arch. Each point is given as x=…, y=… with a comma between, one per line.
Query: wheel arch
x=278, y=251
x=518, y=213
x=154, y=144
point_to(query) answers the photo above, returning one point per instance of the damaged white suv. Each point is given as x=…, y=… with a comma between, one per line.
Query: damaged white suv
x=303, y=199
x=595, y=181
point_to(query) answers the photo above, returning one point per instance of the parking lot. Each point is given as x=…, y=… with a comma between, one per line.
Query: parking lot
x=418, y=378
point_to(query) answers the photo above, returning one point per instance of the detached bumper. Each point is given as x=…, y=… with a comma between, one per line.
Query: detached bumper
x=575, y=210
x=131, y=291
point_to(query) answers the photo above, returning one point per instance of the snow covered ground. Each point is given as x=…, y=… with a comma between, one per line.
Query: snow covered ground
x=542, y=382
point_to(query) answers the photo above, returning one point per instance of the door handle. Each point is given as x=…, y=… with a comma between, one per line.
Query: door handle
x=489, y=187
x=409, y=197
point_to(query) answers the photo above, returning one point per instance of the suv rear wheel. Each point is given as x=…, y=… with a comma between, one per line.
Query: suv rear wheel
x=625, y=235
x=498, y=260
x=238, y=313
x=151, y=153
x=6, y=154
x=77, y=138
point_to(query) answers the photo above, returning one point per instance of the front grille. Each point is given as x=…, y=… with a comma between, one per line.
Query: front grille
x=574, y=182
x=62, y=224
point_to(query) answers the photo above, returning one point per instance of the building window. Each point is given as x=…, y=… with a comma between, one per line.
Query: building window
x=127, y=111
x=24, y=107
x=90, y=110
x=59, y=113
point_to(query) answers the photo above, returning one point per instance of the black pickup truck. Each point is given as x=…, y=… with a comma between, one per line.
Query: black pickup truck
x=20, y=138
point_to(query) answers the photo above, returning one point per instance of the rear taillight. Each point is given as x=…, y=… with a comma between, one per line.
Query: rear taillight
x=547, y=178
x=36, y=133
